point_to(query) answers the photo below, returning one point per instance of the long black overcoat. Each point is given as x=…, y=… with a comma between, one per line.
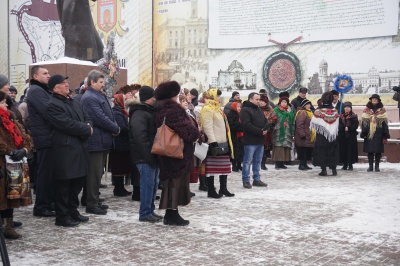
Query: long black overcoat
x=70, y=131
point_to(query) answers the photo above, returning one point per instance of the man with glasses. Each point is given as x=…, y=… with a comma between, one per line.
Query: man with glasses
x=254, y=128
x=71, y=130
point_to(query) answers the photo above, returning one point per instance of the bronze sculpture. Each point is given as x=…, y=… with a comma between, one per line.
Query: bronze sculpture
x=82, y=41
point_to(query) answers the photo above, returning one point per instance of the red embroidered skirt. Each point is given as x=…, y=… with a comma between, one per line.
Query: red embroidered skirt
x=217, y=165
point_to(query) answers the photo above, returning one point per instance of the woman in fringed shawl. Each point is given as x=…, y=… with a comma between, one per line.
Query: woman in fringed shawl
x=374, y=130
x=348, y=147
x=283, y=133
x=15, y=143
x=304, y=137
x=214, y=124
x=272, y=120
x=120, y=157
x=236, y=135
x=326, y=124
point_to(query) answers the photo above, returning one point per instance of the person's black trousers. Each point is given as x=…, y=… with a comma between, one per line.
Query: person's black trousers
x=44, y=183
x=66, y=197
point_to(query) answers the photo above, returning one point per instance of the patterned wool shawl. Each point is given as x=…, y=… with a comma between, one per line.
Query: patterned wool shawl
x=325, y=122
x=285, y=119
x=346, y=118
x=373, y=119
x=214, y=106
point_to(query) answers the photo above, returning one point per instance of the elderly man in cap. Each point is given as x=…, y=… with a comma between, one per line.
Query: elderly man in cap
x=296, y=102
x=71, y=129
x=235, y=98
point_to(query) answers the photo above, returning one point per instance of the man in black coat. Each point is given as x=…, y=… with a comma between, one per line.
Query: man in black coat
x=296, y=102
x=235, y=98
x=39, y=96
x=71, y=127
x=142, y=131
x=255, y=126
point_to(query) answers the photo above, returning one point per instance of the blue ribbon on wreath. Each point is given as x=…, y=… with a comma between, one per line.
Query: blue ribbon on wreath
x=343, y=84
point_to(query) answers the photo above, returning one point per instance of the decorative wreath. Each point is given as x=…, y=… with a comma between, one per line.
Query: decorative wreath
x=343, y=84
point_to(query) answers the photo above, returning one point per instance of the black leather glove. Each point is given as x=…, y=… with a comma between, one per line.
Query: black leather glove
x=17, y=155
x=303, y=137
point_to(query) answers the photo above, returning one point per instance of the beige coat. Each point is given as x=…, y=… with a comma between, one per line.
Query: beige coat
x=214, y=126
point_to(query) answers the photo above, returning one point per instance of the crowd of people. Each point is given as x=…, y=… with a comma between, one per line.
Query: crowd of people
x=68, y=140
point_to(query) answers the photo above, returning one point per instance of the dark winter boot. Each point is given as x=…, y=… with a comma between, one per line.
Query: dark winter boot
x=323, y=172
x=306, y=166
x=234, y=166
x=263, y=161
x=239, y=166
x=9, y=231
x=350, y=167
x=334, y=172
x=211, y=189
x=202, y=183
x=302, y=166
x=377, y=161
x=136, y=193
x=172, y=217
x=119, y=189
x=282, y=165
x=222, y=188
x=344, y=166
x=371, y=162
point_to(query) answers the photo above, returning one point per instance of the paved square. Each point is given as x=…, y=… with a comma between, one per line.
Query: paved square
x=300, y=219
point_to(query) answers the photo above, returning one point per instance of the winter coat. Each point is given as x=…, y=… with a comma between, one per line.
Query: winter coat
x=122, y=140
x=228, y=106
x=272, y=120
x=37, y=101
x=96, y=104
x=254, y=123
x=302, y=137
x=177, y=119
x=374, y=145
x=6, y=147
x=142, y=130
x=287, y=142
x=348, y=147
x=236, y=126
x=326, y=153
x=213, y=125
x=71, y=128
x=296, y=103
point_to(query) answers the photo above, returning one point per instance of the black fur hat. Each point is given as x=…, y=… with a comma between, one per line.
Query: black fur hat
x=284, y=94
x=167, y=90
x=327, y=98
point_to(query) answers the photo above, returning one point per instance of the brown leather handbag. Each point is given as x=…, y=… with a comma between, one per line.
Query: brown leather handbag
x=167, y=143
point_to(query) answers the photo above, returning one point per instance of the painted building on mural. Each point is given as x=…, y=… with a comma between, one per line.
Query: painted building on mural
x=235, y=77
x=373, y=81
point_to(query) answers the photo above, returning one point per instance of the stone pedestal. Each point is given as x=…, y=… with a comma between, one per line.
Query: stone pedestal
x=77, y=70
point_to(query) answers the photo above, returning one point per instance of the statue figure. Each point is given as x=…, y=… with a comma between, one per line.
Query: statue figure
x=81, y=38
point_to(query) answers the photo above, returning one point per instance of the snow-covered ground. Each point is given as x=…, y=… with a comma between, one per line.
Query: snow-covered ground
x=300, y=219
